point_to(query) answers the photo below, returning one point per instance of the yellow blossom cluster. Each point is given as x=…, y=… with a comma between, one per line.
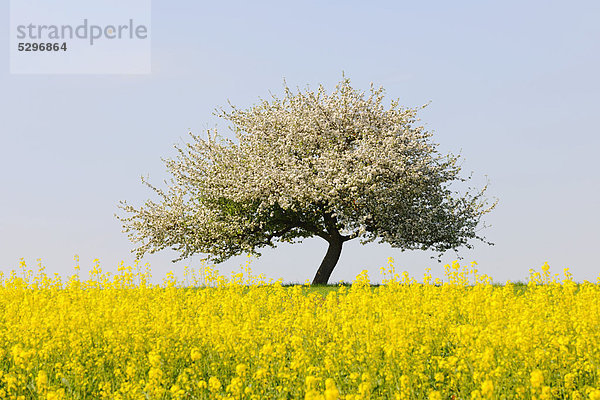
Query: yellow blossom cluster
x=241, y=337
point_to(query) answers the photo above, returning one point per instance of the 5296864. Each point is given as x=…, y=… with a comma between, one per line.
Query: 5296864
x=42, y=46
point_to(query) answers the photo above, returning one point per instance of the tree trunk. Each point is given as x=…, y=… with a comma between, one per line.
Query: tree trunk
x=329, y=262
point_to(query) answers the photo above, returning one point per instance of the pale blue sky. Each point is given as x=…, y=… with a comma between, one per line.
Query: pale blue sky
x=513, y=85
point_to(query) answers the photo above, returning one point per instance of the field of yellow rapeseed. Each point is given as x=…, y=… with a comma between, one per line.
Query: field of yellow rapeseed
x=212, y=337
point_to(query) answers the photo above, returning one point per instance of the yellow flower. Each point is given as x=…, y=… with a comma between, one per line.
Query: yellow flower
x=331, y=392
x=56, y=394
x=155, y=374
x=41, y=381
x=595, y=394
x=536, y=379
x=260, y=374
x=313, y=395
x=546, y=393
x=310, y=382
x=195, y=354
x=569, y=380
x=177, y=391
x=154, y=359
x=241, y=369
x=122, y=338
x=435, y=395
x=214, y=385
x=487, y=389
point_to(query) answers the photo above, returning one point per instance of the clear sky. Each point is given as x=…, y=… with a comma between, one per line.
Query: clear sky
x=514, y=87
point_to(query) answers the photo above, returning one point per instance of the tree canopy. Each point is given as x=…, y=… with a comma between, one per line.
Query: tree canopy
x=337, y=165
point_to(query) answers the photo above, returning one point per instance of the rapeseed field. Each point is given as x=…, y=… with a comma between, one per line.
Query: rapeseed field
x=242, y=337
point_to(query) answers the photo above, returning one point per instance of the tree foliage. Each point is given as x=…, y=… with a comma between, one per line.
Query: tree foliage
x=337, y=165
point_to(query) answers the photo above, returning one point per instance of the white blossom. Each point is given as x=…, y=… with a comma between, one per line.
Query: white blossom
x=336, y=165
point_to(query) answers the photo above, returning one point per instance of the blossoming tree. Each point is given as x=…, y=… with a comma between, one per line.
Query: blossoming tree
x=336, y=165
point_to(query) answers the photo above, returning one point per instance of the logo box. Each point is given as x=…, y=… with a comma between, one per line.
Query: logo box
x=80, y=37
